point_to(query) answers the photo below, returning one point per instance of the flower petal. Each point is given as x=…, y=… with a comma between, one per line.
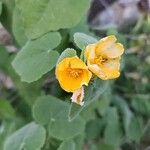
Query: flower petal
x=108, y=47
x=111, y=68
x=97, y=71
x=78, y=96
x=76, y=63
x=114, y=51
x=104, y=44
x=90, y=52
x=62, y=65
x=107, y=71
x=68, y=82
x=112, y=64
x=87, y=76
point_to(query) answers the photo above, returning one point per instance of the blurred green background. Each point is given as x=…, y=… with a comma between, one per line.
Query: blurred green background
x=120, y=118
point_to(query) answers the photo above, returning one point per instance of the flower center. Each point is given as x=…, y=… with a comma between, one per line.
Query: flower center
x=101, y=60
x=75, y=73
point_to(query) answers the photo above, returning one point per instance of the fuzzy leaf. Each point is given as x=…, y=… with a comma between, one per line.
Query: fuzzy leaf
x=53, y=112
x=6, y=15
x=67, y=145
x=69, y=52
x=113, y=128
x=141, y=104
x=37, y=57
x=82, y=40
x=50, y=15
x=0, y=8
x=30, y=137
x=4, y=60
x=135, y=131
x=6, y=110
x=18, y=29
x=126, y=112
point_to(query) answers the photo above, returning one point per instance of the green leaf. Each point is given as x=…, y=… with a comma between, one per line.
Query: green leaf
x=113, y=128
x=103, y=146
x=36, y=57
x=4, y=57
x=6, y=110
x=141, y=104
x=135, y=131
x=30, y=137
x=69, y=52
x=6, y=16
x=50, y=15
x=7, y=127
x=125, y=111
x=0, y=8
x=82, y=26
x=89, y=112
x=47, y=108
x=104, y=102
x=82, y=40
x=75, y=143
x=79, y=141
x=18, y=29
x=53, y=112
x=67, y=145
x=74, y=111
x=132, y=124
x=92, y=93
x=29, y=92
x=93, y=129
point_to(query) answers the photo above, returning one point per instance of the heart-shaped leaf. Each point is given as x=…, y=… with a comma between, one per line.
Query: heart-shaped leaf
x=51, y=111
x=37, y=57
x=41, y=16
x=30, y=137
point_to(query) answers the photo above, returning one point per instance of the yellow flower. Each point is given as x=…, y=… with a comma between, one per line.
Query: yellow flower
x=103, y=57
x=72, y=73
